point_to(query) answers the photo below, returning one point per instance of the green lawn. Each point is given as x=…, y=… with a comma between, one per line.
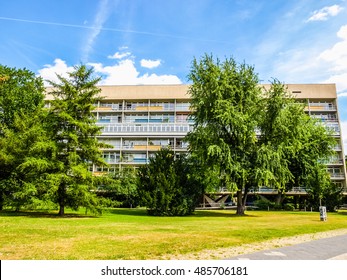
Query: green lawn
x=131, y=234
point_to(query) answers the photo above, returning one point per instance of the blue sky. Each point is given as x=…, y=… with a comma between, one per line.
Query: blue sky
x=154, y=41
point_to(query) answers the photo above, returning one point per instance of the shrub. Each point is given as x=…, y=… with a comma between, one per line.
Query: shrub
x=167, y=185
x=263, y=204
x=289, y=207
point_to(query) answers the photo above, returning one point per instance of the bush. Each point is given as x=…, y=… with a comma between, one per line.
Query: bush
x=277, y=206
x=263, y=204
x=289, y=207
x=167, y=185
x=109, y=203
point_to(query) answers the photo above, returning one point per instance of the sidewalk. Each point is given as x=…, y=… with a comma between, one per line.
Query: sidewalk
x=333, y=248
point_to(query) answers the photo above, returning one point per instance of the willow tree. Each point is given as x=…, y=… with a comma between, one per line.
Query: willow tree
x=256, y=137
x=298, y=140
x=226, y=101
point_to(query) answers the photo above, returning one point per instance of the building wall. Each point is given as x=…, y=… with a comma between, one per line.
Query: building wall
x=139, y=120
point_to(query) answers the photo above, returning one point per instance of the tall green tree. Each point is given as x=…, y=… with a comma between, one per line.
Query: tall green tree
x=21, y=102
x=256, y=137
x=226, y=102
x=72, y=145
x=297, y=140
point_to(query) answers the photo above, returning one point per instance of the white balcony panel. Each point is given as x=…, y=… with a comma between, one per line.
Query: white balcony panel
x=144, y=129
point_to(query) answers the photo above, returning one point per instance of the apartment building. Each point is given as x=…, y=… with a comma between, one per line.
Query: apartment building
x=139, y=120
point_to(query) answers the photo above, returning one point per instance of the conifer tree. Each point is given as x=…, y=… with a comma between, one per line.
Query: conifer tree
x=73, y=132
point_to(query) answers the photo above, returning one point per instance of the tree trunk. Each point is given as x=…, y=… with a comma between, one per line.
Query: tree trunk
x=240, y=203
x=279, y=198
x=61, y=209
x=1, y=201
x=241, y=200
x=61, y=199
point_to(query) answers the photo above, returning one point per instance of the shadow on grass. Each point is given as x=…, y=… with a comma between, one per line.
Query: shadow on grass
x=126, y=211
x=43, y=214
x=197, y=214
x=139, y=212
x=220, y=213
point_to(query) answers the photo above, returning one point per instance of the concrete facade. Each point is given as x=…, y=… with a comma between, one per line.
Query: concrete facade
x=139, y=120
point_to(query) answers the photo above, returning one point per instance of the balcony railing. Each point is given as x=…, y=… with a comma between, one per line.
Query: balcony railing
x=108, y=107
x=337, y=148
x=337, y=176
x=146, y=128
x=111, y=161
x=320, y=107
x=333, y=127
x=273, y=190
x=332, y=161
x=135, y=161
x=150, y=108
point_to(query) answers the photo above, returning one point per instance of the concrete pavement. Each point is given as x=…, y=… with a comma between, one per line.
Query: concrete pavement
x=334, y=248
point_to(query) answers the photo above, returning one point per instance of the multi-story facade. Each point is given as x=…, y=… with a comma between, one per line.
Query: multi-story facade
x=139, y=120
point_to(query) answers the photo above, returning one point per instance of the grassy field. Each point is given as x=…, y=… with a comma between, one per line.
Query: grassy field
x=131, y=234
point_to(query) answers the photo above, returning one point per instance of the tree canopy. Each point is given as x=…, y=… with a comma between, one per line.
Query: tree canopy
x=20, y=92
x=21, y=102
x=245, y=136
x=256, y=136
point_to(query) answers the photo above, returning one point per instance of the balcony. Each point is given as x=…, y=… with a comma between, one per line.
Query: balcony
x=183, y=108
x=143, y=147
x=337, y=176
x=272, y=191
x=333, y=127
x=108, y=107
x=112, y=160
x=337, y=148
x=135, y=161
x=332, y=161
x=335, y=161
x=320, y=107
x=147, y=128
x=99, y=173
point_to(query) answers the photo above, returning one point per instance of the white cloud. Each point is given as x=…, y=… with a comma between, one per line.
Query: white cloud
x=340, y=80
x=342, y=94
x=325, y=13
x=120, y=73
x=119, y=55
x=49, y=72
x=147, y=63
x=336, y=57
x=338, y=53
x=125, y=73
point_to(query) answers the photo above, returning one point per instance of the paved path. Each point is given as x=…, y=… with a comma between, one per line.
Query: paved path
x=322, y=249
